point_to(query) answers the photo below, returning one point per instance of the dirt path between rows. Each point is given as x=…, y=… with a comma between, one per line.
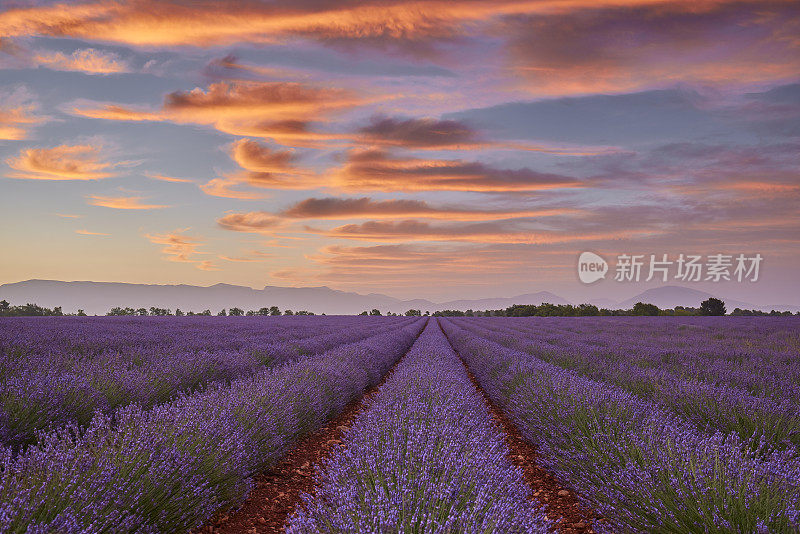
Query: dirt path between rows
x=560, y=502
x=277, y=491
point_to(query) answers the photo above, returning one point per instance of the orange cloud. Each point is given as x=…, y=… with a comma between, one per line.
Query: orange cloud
x=376, y=170
x=90, y=61
x=259, y=222
x=179, y=247
x=265, y=109
x=236, y=260
x=68, y=216
x=269, y=168
x=207, y=265
x=503, y=231
x=14, y=122
x=223, y=188
x=174, y=22
x=346, y=208
x=294, y=133
x=64, y=162
x=87, y=232
x=164, y=178
x=123, y=203
x=251, y=257
x=255, y=157
x=146, y=22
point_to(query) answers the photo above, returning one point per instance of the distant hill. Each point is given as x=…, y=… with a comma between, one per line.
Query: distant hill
x=671, y=296
x=97, y=298
x=502, y=302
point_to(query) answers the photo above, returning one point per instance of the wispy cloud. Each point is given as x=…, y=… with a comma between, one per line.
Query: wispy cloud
x=348, y=208
x=15, y=121
x=378, y=170
x=182, y=248
x=64, y=162
x=87, y=232
x=260, y=109
x=448, y=134
x=486, y=232
x=88, y=60
x=164, y=178
x=224, y=188
x=260, y=222
x=123, y=203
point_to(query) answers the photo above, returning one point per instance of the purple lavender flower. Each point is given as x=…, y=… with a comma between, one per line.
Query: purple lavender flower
x=424, y=456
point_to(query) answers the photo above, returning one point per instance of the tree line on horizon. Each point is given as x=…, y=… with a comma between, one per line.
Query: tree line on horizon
x=709, y=307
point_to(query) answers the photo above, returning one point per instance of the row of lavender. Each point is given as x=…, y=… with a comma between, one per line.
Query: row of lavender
x=55, y=371
x=758, y=355
x=169, y=468
x=425, y=456
x=643, y=467
x=688, y=373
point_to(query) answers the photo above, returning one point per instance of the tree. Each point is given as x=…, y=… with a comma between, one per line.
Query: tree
x=205, y=312
x=712, y=306
x=81, y=313
x=178, y=312
x=375, y=312
x=274, y=310
x=364, y=313
x=588, y=310
x=263, y=311
x=414, y=313
x=222, y=313
x=645, y=308
x=236, y=312
x=141, y=311
x=288, y=312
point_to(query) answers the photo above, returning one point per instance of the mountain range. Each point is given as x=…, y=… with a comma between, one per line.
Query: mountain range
x=97, y=298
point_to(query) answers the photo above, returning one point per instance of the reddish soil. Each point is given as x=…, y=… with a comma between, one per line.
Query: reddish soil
x=560, y=502
x=277, y=491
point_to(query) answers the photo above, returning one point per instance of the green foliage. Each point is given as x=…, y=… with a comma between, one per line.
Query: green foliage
x=7, y=310
x=712, y=306
x=643, y=308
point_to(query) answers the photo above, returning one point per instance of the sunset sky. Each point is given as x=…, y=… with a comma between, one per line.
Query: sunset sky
x=417, y=149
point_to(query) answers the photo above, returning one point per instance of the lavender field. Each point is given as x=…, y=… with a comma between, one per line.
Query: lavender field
x=149, y=424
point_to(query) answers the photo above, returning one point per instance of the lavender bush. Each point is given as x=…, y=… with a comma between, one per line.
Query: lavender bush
x=169, y=468
x=638, y=365
x=424, y=457
x=55, y=371
x=642, y=467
